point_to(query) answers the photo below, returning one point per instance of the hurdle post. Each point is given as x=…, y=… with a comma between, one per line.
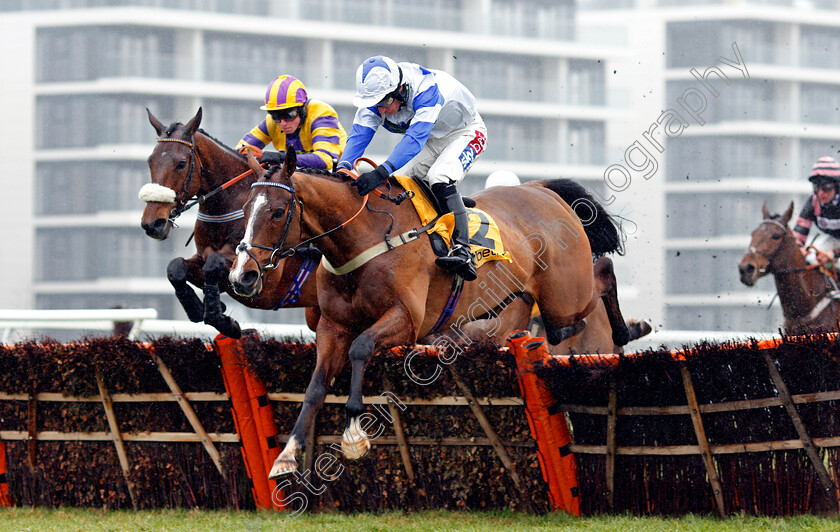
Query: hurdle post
x=548, y=425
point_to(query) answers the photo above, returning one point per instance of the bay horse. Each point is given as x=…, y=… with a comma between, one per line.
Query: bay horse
x=188, y=163
x=809, y=298
x=605, y=332
x=378, y=289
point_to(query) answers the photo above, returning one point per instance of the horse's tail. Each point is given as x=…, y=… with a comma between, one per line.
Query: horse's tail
x=603, y=230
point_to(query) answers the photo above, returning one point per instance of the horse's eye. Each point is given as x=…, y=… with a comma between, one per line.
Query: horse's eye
x=776, y=237
x=181, y=165
x=279, y=213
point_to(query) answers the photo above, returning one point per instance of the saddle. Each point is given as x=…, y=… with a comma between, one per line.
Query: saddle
x=485, y=238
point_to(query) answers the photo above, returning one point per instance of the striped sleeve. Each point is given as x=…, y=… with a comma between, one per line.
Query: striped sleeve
x=804, y=222
x=257, y=137
x=323, y=137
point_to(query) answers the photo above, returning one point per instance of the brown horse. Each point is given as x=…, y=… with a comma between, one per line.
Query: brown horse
x=808, y=297
x=185, y=164
x=372, y=301
x=600, y=334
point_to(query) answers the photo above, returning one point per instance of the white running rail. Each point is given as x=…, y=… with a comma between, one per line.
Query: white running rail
x=143, y=320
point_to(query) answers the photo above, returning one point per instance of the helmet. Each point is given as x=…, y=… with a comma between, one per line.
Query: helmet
x=502, y=178
x=283, y=92
x=826, y=169
x=375, y=79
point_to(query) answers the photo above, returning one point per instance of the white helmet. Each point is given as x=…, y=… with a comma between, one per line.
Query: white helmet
x=502, y=178
x=375, y=79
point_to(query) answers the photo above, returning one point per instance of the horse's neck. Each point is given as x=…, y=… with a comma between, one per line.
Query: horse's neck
x=219, y=165
x=799, y=291
x=328, y=203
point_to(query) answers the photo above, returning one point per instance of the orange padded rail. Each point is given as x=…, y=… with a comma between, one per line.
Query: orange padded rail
x=550, y=430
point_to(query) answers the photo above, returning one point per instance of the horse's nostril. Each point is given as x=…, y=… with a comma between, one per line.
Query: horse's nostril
x=249, y=278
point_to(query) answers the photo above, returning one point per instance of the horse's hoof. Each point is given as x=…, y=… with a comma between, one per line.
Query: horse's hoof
x=355, y=450
x=638, y=329
x=282, y=467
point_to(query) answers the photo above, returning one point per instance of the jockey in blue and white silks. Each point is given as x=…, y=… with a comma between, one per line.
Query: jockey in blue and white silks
x=442, y=135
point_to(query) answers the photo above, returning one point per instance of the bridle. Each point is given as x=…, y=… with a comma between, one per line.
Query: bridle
x=182, y=202
x=277, y=251
x=753, y=251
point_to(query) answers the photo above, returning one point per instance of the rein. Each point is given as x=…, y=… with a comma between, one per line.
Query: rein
x=277, y=252
x=183, y=204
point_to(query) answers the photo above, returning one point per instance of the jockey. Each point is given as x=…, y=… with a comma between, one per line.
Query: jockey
x=824, y=209
x=296, y=121
x=442, y=133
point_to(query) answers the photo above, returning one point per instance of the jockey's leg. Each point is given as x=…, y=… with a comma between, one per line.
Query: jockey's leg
x=457, y=152
x=459, y=260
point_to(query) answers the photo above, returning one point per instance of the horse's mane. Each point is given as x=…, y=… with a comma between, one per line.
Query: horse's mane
x=604, y=231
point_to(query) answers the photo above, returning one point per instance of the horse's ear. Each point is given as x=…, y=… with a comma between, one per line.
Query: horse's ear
x=159, y=127
x=765, y=211
x=290, y=163
x=253, y=163
x=787, y=215
x=192, y=125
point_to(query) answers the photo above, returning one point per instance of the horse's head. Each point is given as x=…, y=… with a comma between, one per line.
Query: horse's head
x=767, y=240
x=175, y=175
x=272, y=214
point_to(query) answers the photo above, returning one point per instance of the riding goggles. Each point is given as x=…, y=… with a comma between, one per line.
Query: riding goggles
x=287, y=114
x=825, y=187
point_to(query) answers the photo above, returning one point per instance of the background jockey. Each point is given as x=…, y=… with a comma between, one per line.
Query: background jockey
x=296, y=121
x=502, y=178
x=823, y=207
x=442, y=133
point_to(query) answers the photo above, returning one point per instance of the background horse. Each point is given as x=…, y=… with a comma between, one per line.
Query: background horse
x=807, y=295
x=187, y=163
x=372, y=301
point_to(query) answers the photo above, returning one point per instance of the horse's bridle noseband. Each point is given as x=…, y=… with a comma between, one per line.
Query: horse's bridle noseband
x=182, y=197
x=775, y=252
x=277, y=253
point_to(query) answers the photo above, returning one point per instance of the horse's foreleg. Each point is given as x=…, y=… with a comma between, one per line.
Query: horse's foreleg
x=332, y=348
x=215, y=270
x=395, y=327
x=177, y=272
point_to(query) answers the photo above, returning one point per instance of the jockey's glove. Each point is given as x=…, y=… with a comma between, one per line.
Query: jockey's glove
x=273, y=157
x=256, y=152
x=370, y=180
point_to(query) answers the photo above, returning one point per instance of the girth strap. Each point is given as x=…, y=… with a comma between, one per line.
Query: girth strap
x=451, y=303
x=371, y=253
x=292, y=295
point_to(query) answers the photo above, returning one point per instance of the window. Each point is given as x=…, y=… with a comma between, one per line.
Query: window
x=245, y=59
x=500, y=77
x=585, y=143
x=516, y=139
x=819, y=47
x=87, y=121
x=89, y=187
x=820, y=104
x=85, y=53
x=89, y=253
x=705, y=271
x=585, y=83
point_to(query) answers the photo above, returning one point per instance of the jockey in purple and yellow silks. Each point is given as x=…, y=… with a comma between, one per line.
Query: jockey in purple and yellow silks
x=443, y=134
x=296, y=121
x=822, y=209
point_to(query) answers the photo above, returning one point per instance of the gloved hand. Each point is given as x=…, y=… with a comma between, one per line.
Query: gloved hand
x=370, y=180
x=256, y=152
x=273, y=157
x=825, y=256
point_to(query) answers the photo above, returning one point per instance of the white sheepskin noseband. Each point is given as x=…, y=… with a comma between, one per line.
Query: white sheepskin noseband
x=154, y=193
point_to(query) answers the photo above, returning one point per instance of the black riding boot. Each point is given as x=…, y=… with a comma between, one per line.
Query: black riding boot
x=459, y=260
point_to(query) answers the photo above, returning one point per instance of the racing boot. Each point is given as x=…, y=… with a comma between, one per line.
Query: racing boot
x=459, y=259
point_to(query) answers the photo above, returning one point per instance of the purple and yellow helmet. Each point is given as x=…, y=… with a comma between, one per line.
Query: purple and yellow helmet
x=284, y=92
